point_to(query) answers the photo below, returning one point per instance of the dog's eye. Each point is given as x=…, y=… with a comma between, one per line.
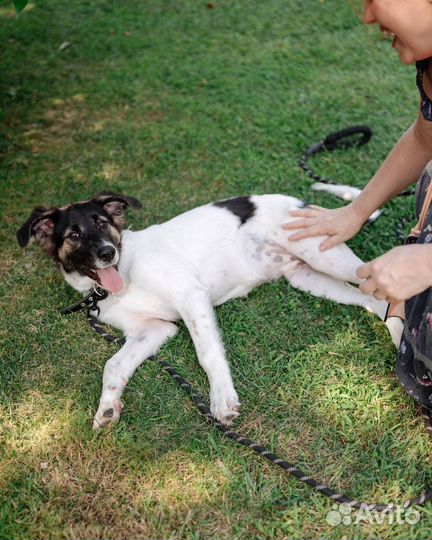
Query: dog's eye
x=102, y=224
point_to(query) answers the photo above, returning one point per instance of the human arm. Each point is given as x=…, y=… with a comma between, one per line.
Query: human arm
x=401, y=168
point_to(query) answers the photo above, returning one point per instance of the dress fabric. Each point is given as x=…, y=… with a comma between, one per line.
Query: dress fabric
x=414, y=360
x=425, y=103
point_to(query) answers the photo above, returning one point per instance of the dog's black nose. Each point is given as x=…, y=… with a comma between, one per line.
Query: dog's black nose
x=106, y=253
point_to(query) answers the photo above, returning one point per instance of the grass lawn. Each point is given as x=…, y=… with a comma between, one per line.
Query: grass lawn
x=179, y=103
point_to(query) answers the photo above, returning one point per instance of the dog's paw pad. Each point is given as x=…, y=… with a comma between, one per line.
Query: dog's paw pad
x=227, y=417
x=225, y=406
x=107, y=414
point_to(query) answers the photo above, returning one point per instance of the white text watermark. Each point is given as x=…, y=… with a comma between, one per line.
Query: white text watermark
x=345, y=515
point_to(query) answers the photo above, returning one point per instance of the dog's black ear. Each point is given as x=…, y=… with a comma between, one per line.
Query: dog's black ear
x=115, y=205
x=40, y=227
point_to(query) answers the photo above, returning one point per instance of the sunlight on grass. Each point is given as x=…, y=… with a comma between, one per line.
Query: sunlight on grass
x=34, y=424
x=176, y=481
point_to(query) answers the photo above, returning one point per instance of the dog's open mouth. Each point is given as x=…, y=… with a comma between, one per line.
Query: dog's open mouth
x=108, y=278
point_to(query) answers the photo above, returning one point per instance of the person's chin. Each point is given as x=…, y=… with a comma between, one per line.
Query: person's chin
x=405, y=55
x=407, y=59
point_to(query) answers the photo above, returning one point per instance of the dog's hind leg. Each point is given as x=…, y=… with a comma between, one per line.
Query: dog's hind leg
x=322, y=285
x=120, y=367
x=339, y=262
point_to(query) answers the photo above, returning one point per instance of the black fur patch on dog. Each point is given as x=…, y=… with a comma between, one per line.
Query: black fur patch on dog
x=242, y=207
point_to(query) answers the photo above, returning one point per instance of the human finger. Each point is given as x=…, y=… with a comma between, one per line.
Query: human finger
x=331, y=241
x=369, y=286
x=364, y=271
x=304, y=212
x=297, y=224
x=381, y=295
x=308, y=232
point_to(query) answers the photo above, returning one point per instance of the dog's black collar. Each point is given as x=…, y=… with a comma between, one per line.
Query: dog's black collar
x=89, y=302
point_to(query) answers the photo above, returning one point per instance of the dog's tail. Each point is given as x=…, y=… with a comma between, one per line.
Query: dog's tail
x=347, y=193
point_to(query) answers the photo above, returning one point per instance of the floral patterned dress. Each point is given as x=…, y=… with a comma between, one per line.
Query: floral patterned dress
x=414, y=361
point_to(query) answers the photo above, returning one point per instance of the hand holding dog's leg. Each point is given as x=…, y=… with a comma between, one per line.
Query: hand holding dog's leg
x=325, y=286
x=120, y=368
x=199, y=317
x=399, y=274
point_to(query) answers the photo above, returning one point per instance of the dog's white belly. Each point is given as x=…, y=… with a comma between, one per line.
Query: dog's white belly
x=261, y=261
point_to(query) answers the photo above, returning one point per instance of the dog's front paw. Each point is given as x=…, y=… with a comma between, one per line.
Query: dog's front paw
x=224, y=404
x=108, y=413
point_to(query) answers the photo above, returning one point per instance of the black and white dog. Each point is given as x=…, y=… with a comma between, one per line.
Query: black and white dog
x=180, y=270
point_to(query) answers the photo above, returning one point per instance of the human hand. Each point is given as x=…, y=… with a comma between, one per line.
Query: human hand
x=399, y=274
x=340, y=224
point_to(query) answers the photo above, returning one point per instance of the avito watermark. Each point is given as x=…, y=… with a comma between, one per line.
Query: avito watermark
x=345, y=515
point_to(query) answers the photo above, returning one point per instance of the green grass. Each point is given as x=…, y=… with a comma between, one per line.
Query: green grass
x=178, y=104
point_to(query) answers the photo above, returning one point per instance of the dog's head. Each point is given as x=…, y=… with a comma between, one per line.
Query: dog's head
x=84, y=238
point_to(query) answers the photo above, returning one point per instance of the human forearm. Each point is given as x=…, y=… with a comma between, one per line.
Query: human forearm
x=401, y=169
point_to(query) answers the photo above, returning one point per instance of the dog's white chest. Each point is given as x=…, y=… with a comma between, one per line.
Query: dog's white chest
x=130, y=308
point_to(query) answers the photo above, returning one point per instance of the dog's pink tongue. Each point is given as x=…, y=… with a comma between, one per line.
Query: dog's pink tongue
x=110, y=279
